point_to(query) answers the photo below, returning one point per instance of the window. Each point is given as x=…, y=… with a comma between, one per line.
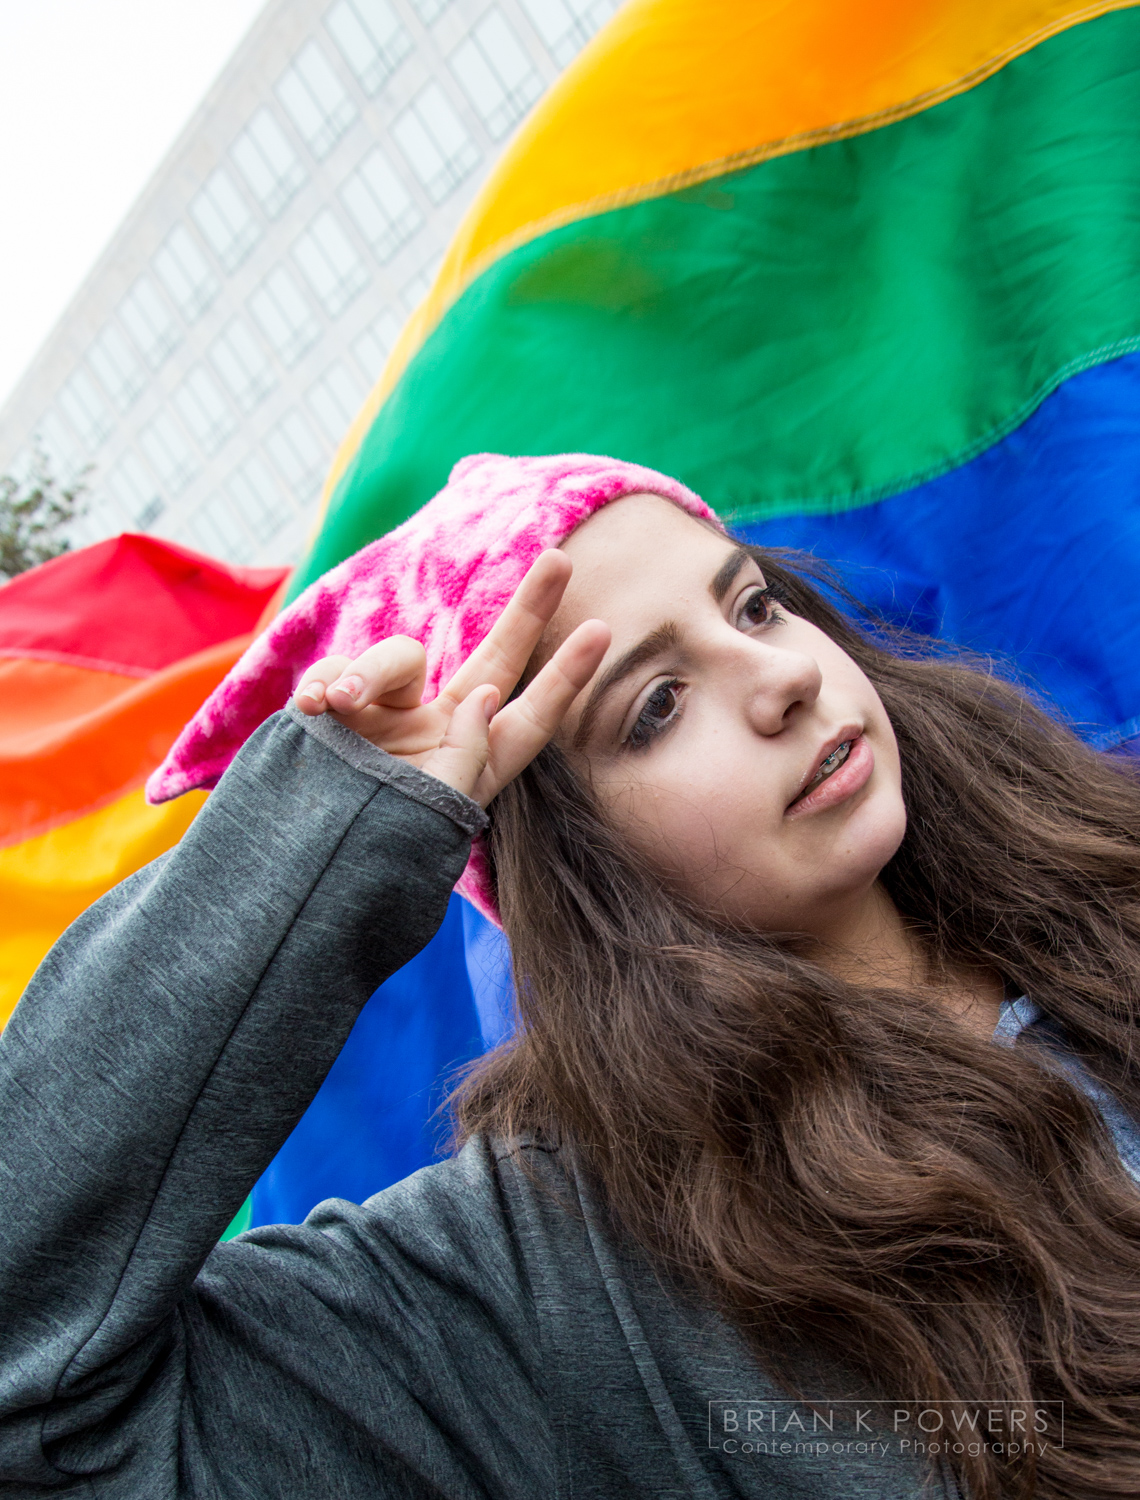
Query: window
x=60, y=448
x=299, y=458
x=183, y=271
x=150, y=322
x=239, y=360
x=335, y=400
x=567, y=25
x=224, y=217
x=116, y=367
x=216, y=529
x=497, y=75
x=134, y=488
x=284, y=315
x=205, y=410
x=374, y=345
x=85, y=409
x=169, y=453
x=315, y=100
x=381, y=206
x=151, y=514
x=433, y=139
x=430, y=10
x=369, y=34
x=268, y=162
x=331, y=266
x=259, y=499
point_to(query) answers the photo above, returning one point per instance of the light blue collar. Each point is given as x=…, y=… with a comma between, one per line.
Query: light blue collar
x=1015, y=1016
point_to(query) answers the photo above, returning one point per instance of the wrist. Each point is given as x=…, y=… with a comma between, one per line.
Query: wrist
x=416, y=782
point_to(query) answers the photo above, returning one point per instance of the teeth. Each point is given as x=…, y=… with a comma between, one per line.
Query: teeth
x=832, y=763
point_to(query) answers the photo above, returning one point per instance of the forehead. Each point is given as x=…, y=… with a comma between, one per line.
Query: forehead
x=635, y=557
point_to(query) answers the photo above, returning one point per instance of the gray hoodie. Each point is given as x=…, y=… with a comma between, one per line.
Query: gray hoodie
x=477, y=1330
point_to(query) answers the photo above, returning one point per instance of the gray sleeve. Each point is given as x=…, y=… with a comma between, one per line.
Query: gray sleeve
x=164, y=1050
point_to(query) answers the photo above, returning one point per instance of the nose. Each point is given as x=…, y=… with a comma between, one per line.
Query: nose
x=780, y=685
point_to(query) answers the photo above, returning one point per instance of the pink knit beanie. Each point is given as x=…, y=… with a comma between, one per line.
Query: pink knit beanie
x=443, y=577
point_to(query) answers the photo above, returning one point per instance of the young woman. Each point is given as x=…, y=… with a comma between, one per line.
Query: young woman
x=752, y=1205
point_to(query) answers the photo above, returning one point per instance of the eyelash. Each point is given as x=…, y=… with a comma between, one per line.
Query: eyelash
x=647, y=727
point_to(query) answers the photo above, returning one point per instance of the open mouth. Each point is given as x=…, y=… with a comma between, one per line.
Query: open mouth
x=827, y=767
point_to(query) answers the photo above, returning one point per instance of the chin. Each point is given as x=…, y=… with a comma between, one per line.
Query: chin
x=863, y=872
x=877, y=832
x=855, y=860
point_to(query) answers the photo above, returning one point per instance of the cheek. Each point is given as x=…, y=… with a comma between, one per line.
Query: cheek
x=694, y=816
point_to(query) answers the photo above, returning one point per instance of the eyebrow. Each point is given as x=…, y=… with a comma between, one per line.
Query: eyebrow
x=738, y=558
x=665, y=638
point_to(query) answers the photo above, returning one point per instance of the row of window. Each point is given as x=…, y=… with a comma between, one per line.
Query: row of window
x=383, y=209
x=332, y=270
x=255, y=504
x=253, y=507
x=501, y=81
x=172, y=462
x=565, y=26
x=492, y=65
x=240, y=375
x=497, y=75
x=264, y=499
x=142, y=490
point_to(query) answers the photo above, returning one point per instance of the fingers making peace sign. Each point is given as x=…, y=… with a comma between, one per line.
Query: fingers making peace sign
x=463, y=737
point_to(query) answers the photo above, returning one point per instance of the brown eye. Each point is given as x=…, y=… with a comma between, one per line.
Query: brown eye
x=661, y=702
x=661, y=707
x=757, y=608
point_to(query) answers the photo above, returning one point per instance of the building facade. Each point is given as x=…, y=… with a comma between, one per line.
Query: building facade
x=213, y=359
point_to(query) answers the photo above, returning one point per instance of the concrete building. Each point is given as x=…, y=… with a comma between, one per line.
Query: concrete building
x=213, y=359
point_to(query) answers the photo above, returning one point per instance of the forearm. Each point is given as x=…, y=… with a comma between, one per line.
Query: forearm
x=175, y=1034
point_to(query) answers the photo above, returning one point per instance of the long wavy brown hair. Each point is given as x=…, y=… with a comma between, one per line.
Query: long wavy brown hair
x=849, y=1169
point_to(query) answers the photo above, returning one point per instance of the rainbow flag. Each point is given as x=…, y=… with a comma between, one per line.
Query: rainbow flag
x=863, y=273
x=104, y=655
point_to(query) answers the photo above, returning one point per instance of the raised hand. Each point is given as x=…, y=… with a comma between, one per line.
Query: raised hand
x=463, y=737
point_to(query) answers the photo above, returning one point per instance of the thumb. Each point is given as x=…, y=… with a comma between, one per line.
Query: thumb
x=462, y=753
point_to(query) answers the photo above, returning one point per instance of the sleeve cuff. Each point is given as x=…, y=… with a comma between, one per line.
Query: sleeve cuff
x=364, y=756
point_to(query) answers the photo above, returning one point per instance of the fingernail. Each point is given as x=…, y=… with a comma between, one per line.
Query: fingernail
x=490, y=704
x=313, y=691
x=351, y=687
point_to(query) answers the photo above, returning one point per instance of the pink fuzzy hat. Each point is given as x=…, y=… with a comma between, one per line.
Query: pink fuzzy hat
x=443, y=577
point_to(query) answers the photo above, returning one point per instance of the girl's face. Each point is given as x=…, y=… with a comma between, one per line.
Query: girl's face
x=740, y=751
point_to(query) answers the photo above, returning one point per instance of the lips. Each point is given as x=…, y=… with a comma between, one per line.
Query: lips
x=835, y=755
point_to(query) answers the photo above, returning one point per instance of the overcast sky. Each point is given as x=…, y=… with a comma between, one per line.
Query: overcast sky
x=92, y=95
